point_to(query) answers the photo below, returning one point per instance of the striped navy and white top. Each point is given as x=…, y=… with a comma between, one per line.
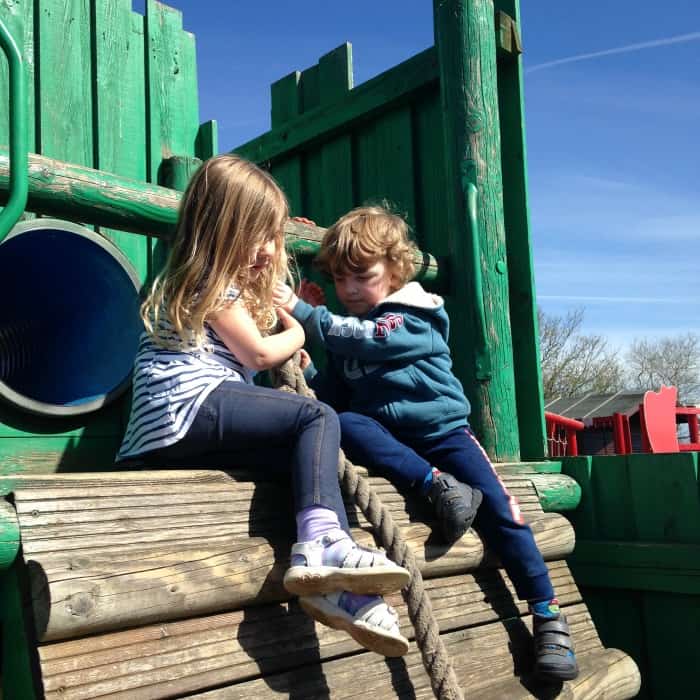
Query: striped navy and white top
x=170, y=385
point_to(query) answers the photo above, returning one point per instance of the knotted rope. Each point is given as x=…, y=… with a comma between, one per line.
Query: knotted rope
x=443, y=679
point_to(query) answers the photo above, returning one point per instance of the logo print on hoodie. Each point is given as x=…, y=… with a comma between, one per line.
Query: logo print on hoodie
x=387, y=323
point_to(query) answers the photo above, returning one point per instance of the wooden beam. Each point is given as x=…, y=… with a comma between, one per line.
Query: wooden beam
x=319, y=124
x=85, y=195
x=122, y=549
x=645, y=566
x=466, y=46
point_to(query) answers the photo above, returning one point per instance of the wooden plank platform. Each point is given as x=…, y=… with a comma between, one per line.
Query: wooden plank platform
x=168, y=584
x=106, y=552
x=276, y=650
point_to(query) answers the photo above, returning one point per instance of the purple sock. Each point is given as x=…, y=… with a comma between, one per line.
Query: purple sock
x=352, y=602
x=315, y=521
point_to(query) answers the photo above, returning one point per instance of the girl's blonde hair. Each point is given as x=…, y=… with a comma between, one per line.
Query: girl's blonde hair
x=230, y=209
x=365, y=236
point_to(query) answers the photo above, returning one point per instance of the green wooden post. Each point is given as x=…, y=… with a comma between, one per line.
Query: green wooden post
x=465, y=40
x=19, y=663
x=176, y=171
x=523, y=303
x=9, y=534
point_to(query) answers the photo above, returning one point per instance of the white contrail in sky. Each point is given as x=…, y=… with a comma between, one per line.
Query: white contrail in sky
x=615, y=300
x=680, y=39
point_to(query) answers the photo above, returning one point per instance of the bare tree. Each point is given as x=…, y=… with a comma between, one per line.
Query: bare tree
x=573, y=363
x=672, y=361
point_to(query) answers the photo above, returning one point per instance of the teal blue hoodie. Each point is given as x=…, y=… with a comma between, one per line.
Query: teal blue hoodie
x=393, y=364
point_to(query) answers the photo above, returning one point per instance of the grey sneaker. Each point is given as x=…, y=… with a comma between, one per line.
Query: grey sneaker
x=455, y=504
x=554, y=651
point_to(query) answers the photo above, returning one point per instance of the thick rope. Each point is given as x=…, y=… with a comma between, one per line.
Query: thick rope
x=443, y=679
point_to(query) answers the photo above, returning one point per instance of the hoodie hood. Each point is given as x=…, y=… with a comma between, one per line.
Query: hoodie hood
x=415, y=296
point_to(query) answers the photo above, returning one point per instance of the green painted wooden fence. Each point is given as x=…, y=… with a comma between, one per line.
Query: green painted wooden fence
x=115, y=90
x=404, y=138
x=637, y=561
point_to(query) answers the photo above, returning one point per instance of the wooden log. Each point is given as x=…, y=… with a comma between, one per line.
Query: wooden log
x=123, y=549
x=466, y=46
x=79, y=193
x=556, y=492
x=277, y=649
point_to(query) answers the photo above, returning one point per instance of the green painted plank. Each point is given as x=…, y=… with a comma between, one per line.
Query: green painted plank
x=615, y=519
x=285, y=100
x=379, y=94
x=431, y=177
x=309, y=89
x=9, y=534
x=619, y=620
x=665, y=495
x=46, y=455
x=521, y=276
x=672, y=624
x=190, y=95
x=584, y=517
x=177, y=171
x=207, y=142
x=657, y=556
x=120, y=108
x=64, y=75
x=384, y=157
x=335, y=82
x=17, y=653
x=164, y=86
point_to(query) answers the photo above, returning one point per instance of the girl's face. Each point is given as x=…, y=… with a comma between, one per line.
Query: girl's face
x=359, y=292
x=264, y=256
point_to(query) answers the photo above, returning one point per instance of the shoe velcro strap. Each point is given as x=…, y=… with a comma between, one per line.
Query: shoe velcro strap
x=556, y=624
x=553, y=650
x=555, y=639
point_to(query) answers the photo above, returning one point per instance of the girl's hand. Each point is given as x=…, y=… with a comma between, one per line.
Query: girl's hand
x=311, y=293
x=303, y=220
x=288, y=321
x=283, y=297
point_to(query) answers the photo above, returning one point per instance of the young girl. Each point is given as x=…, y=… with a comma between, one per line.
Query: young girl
x=208, y=320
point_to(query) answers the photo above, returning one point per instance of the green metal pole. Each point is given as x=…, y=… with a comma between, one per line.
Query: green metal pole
x=19, y=185
x=465, y=39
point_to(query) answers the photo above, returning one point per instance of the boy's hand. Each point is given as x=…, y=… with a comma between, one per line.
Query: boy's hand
x=283, y=297
x=311, y=293
x=304, y=359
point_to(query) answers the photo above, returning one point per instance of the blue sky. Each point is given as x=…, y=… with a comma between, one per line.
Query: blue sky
x=612, y=139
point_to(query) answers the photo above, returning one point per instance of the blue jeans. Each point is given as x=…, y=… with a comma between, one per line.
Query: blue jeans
x=498, y=519
x=246, y=426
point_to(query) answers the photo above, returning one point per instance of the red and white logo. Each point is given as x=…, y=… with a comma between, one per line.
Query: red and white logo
x=387, y=323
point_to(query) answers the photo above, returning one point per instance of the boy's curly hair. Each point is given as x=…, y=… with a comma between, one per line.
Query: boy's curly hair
x=363, y=237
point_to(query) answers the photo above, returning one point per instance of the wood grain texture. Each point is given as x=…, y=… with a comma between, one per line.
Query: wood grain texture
x=274, y=651
x=106, y=551
x=466, y=48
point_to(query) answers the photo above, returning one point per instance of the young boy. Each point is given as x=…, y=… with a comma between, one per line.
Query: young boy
x=403, y=413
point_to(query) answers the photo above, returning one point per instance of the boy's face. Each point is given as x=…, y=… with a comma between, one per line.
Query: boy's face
x=360, y=291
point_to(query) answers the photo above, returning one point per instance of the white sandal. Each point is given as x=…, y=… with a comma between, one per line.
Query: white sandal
x=363, y=570
x=375, y=626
